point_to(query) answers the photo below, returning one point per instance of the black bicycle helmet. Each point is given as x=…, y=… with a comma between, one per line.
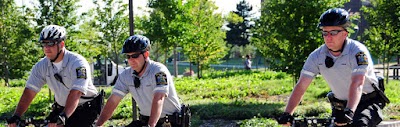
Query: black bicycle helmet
x=53, y=33
x=136, y=43
x=334, y=17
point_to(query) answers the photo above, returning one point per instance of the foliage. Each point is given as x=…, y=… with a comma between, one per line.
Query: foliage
x=242, y=51
x=39, y=107
x=383, y=35
x=239, y=31
x=63, y=13
x=253, y=98
x=16, y=35
x=166, y=26
x=58, y=12
x=286, y=32
x=112, y=25
x=259, y=122
x=204, y=42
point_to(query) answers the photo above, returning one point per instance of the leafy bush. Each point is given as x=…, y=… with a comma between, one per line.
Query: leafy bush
x=10, y=96
x=259, y=122
x=253, y=98
x=17, y=82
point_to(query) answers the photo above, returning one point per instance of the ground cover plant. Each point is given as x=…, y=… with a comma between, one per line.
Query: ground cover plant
x=243, y=98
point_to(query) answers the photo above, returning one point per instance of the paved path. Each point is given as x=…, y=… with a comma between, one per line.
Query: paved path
x=389, y=124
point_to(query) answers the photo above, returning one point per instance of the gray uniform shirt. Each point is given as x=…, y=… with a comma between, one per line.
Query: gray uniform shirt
x=75, y=73
x=354, y=60
x=149, y=84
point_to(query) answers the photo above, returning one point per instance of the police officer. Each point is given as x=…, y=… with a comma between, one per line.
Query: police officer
x=68, y=77
x=149, y=82
x=347, y=67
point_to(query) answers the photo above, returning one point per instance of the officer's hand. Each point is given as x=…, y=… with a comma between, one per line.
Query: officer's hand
x=345, y=118
x=285, y=118
x=60, y=119
x=13, y=121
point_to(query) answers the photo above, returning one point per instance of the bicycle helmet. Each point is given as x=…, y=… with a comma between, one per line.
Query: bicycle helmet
x=334, y=17
x=136, y=43
x=53, y=33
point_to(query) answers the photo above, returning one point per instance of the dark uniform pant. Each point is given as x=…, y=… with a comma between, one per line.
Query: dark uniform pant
x=84, y=115
x=368, y=112
x=143, y=121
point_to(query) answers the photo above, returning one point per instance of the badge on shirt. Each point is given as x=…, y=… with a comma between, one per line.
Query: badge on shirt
x=361, y=59
x=161, y=78
x=81, y=72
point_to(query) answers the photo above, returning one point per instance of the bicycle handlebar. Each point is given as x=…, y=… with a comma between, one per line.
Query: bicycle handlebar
x=313, y=122
x=32, y=121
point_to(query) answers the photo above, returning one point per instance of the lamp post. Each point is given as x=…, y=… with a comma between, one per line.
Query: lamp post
x=131, y=32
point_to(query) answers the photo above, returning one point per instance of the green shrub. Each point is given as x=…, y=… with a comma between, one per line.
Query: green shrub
x=259, y=122
x=252, y=98
x=17, y=82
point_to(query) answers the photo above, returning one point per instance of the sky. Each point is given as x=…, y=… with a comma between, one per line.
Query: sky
x=224, y=6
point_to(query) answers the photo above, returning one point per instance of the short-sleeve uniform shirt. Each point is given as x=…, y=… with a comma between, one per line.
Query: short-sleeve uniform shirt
x=354, y=60
x=156, y=78
x=75, y=73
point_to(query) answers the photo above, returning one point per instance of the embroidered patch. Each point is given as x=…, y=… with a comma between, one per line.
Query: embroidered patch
x=81, y=72
x=161, y=78
x=361, y=59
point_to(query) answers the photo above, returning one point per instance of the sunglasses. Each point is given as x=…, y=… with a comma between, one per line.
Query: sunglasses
x=48, y=44
x=133, y=55
x=332, y=33
x=329, y=62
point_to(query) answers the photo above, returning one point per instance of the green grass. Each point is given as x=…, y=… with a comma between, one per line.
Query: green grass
x=251, y=98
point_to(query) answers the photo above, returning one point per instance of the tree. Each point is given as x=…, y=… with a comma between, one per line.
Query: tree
x=204, y=42
x=164, y=28
x=18, y=51
x=239, y=32
x=383, y=35
x=113, y=26
x=287, y=32
x=63, y=13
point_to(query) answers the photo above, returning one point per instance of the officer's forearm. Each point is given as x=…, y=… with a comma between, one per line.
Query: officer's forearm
x=156, y=108
x=72, y=102
x=355, y=91
x=107, y=111
x=297, y=94
x=24, y=101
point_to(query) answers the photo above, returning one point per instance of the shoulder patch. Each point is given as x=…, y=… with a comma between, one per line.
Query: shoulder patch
x=161, y=78
x=81, y=72
x=362, y=59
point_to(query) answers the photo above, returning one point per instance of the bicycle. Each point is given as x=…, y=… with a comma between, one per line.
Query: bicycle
x=32, y=121
x=313, y=122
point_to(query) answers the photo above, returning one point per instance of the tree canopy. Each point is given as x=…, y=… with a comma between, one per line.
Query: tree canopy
x=18, y=46
x=287, y=32
x=239, y=30
x=383, y=35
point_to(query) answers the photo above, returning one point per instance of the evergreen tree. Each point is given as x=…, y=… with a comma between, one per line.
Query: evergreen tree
x=239, y=32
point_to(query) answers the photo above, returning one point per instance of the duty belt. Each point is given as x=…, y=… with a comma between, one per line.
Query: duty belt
x=146, y=119
x=369, y=96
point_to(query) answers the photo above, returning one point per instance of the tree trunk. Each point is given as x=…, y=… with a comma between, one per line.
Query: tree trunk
x=117, y=63
x=175, y=62
x=6, y=73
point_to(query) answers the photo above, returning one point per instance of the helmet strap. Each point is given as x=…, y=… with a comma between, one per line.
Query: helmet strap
x=340, y=50
x=58, y=54
x=144, y=65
